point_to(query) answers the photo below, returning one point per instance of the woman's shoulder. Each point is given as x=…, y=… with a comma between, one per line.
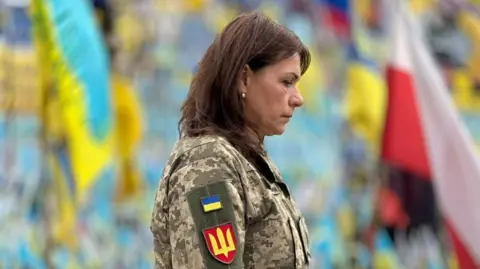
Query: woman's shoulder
x=201, y=149
x=199, y=161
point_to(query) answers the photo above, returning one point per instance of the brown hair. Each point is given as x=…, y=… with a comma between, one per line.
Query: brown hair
x=213, y=104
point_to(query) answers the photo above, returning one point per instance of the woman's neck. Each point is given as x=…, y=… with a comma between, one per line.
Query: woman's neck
x=255, y=135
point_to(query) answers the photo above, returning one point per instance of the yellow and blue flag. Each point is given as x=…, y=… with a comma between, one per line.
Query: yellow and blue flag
x=365, y=99
x=77, y=112
x=211, y=203
x=465, y=80
x=384, y=256
x=128, y=117
x=336, y=15
x=76, y=76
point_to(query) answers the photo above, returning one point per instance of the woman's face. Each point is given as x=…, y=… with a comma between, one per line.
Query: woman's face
x=271, y=96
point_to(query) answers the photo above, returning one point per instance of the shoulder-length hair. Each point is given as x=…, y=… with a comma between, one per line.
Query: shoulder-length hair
x=213, y=104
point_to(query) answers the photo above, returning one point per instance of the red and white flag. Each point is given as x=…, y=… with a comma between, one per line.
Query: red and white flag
x=424, y=134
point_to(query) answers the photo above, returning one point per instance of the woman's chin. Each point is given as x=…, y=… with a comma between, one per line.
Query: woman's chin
x=278, y=130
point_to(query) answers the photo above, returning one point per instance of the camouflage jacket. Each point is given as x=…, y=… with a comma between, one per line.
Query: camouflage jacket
x=214, y=209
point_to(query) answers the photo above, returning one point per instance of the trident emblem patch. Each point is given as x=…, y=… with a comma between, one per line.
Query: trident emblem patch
x=221, y=242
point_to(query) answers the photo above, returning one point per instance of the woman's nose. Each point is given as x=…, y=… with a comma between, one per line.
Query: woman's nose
x=296, y=100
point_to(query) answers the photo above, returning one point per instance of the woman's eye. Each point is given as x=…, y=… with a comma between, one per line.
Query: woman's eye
x=288, y=83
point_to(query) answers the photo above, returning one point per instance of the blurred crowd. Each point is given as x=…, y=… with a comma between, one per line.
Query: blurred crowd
x=60, y=209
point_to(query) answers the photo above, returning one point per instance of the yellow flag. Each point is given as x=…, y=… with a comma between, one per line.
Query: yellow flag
x=365, y=103
x=129, y=132
x=194, y=5
x=346, y=222
x=365, y=96
x=421, y=6
x=132, y=35
x=310, y=85
x=463, y=90
x=469, y=22
x=129, y=125
x=464, y=93
x=363, y=8
x=384, y=261
x=63, y=216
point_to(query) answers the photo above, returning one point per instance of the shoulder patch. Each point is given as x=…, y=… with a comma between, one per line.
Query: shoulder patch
x=221, y=242
x=211, y=203
x=214, y=217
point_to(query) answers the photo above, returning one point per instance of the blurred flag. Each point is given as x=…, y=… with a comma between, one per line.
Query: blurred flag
x=369, y=12
x=128, y=115
x=64, y=220
x=71, y=49
x=391, y=210
x=365, y=97
x=79, y=123
x=335, y=14
x=441, y=148
x=364, y=8
x=311, y=84
x=421, y=6
x=384, y=255
x=129, y=133
x=194, y=5
x=466, y=81
x=412, y=203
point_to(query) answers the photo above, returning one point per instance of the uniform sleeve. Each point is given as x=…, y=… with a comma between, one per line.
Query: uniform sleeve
x=206, y=214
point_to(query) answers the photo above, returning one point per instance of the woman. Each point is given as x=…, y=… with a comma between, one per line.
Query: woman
x=222, y=202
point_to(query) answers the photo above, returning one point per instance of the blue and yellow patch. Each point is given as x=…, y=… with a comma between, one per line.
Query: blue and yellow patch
x=211, y=203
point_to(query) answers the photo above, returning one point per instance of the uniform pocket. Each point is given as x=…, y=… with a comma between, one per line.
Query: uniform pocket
x=296, y=251
x=302, y=258
x=303, y=229
x=260, y=198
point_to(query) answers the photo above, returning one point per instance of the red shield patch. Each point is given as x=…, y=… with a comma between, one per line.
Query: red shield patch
x=221, y=242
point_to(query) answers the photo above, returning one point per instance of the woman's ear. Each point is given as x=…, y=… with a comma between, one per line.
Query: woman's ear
x=245, y=79
x=248, y=74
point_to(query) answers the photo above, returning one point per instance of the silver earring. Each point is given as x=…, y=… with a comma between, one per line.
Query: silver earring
x=243, y=95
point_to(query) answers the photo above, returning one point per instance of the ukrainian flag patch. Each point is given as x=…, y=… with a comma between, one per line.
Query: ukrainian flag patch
x=211, y=203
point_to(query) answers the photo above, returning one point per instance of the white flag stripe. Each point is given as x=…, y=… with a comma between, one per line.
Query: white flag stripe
x=451, y=149
x=400, y=56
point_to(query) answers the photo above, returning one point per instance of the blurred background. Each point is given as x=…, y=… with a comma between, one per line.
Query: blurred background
x=90, y=92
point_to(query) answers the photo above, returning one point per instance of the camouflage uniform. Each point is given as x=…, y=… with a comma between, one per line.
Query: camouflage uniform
x=214, y=209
